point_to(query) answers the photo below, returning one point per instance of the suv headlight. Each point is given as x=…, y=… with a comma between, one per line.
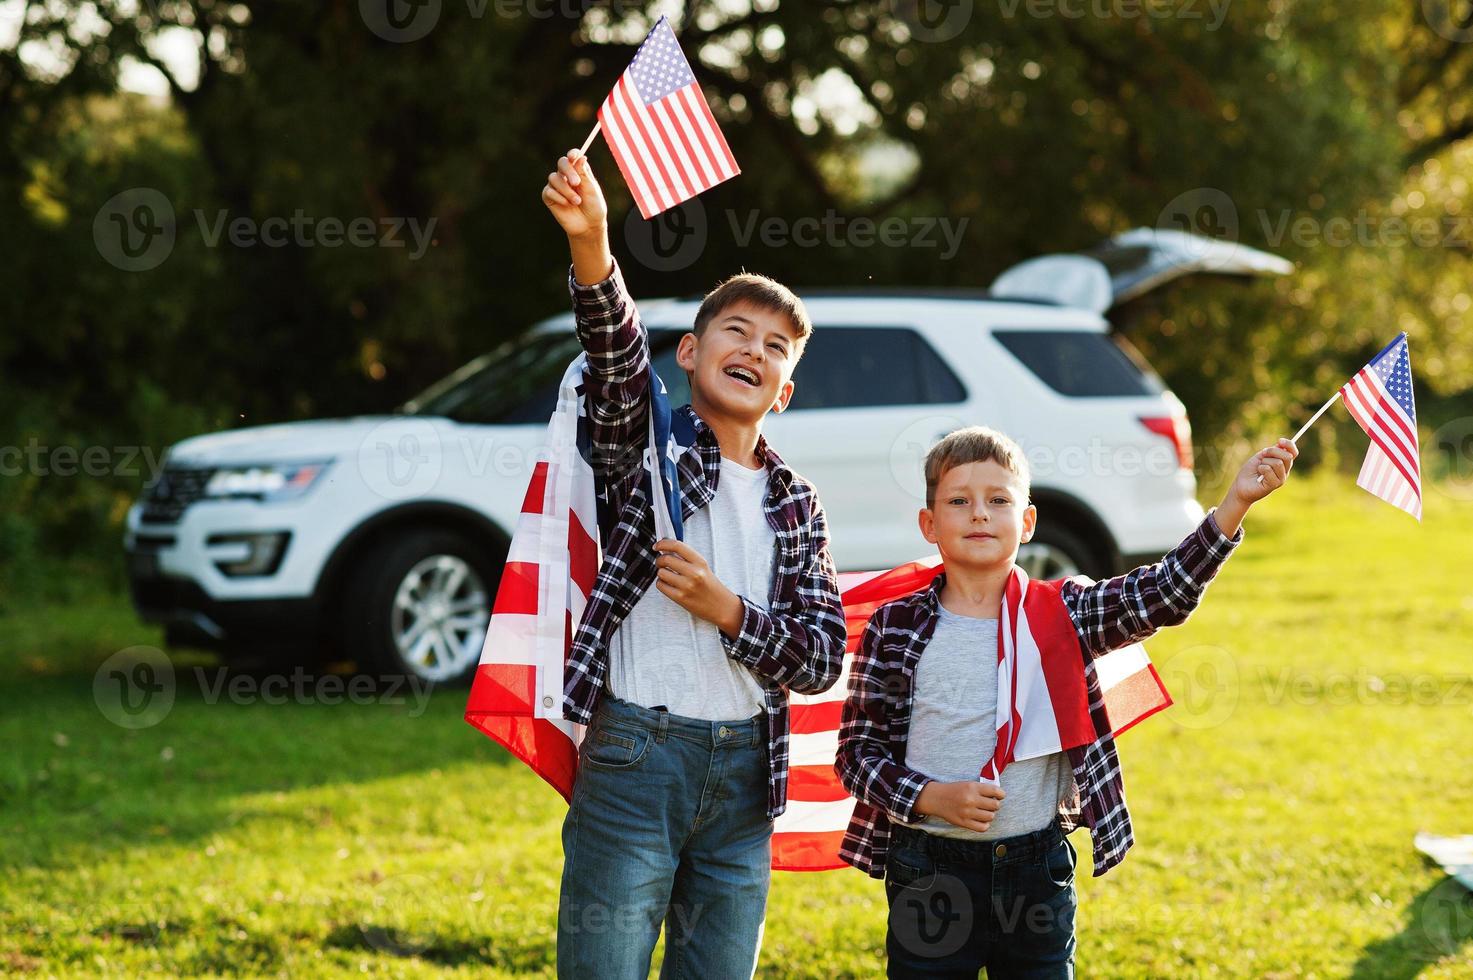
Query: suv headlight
x=266, y=483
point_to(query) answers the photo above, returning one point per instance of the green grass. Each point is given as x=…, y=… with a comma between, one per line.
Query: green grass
x=1274, y=804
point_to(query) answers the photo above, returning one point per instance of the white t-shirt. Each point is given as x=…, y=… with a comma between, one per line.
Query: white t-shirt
x=953, y=730
x=661, y=654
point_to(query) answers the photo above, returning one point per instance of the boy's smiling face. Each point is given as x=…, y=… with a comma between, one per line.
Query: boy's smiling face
x=979, y=516
x=741, y=365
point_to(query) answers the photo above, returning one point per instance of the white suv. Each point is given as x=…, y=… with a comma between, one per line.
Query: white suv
x=381, y=538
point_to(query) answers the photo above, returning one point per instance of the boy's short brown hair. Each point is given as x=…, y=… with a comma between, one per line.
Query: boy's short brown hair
x=974, y=444
x=761, y=292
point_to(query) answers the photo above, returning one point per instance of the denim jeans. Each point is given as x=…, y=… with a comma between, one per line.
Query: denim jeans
x=959, y=906
x=668, y=823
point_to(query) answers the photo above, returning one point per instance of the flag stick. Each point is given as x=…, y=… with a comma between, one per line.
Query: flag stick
x=1312, y=419
x=589, y=142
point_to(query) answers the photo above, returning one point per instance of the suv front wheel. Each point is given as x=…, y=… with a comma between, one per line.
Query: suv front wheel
x=419, y=603
x=1057, y=552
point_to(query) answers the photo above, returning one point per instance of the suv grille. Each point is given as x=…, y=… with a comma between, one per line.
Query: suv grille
x=166, y=499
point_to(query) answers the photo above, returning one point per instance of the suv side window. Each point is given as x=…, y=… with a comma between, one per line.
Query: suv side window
x=870, y=367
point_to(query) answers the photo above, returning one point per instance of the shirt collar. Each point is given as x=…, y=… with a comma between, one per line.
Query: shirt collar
x=706, y=438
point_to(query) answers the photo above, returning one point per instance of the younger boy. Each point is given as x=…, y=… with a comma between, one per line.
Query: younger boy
x=982, y=876
x=684, y=686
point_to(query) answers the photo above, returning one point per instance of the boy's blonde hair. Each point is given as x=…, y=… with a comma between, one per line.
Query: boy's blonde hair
x=974, y=444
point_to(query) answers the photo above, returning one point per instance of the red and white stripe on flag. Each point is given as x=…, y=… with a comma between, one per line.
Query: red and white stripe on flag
x=660, y=129
x=1380, y=400
x=516, y=695
x=1042, y=697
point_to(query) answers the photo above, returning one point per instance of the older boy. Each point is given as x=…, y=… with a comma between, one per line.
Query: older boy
x=981, y=875
x=684, y=686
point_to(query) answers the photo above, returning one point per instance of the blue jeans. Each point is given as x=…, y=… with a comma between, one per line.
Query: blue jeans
x=668, y=823
x=958, y=906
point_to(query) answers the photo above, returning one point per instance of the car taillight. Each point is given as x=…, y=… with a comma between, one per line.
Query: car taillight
x=1179, y=431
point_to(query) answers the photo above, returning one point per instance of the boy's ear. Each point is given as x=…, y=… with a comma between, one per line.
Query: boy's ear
x=784, y=396
x=1030, y=521
x=927, y=521
x=685, y=352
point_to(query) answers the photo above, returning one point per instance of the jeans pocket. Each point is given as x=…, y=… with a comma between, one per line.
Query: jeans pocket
x=1059, y=864
x=615, y=747
x=909, y=867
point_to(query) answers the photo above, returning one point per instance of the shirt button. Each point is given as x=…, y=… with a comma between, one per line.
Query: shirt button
x=547, y=702
x=1000, y=850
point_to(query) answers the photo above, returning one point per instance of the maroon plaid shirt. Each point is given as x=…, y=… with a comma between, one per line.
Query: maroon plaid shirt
x=1107, y=615
x=797, y=642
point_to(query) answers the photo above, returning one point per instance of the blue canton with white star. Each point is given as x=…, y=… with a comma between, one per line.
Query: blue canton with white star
x=1394, y=368
x=659, y=67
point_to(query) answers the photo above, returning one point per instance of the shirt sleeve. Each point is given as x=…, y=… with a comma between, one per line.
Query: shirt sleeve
x=802, y=649
x=864, y=763
x=1128, y=608
x=617, y=375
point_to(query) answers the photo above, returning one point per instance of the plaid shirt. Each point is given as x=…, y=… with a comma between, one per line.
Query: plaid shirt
x=1107, y=615
x=797, y=642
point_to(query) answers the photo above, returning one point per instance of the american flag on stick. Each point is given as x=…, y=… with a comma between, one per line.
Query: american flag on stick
x=661, y=130
x=1379, y=398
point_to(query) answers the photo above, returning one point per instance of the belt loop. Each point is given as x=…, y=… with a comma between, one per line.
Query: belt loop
x=663, y=726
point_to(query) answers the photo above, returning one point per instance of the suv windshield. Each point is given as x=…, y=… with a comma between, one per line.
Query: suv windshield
x=517, y=382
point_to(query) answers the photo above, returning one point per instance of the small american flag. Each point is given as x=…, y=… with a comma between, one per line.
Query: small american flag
x=661, y=130
x=1380, y=399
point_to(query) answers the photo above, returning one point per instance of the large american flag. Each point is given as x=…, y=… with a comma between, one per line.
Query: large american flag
x=1379, y=398
x=661, y=130
x=516, y=697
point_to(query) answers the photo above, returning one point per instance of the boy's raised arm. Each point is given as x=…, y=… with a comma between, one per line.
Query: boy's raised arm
x=1128, y=608
x=607, y=322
